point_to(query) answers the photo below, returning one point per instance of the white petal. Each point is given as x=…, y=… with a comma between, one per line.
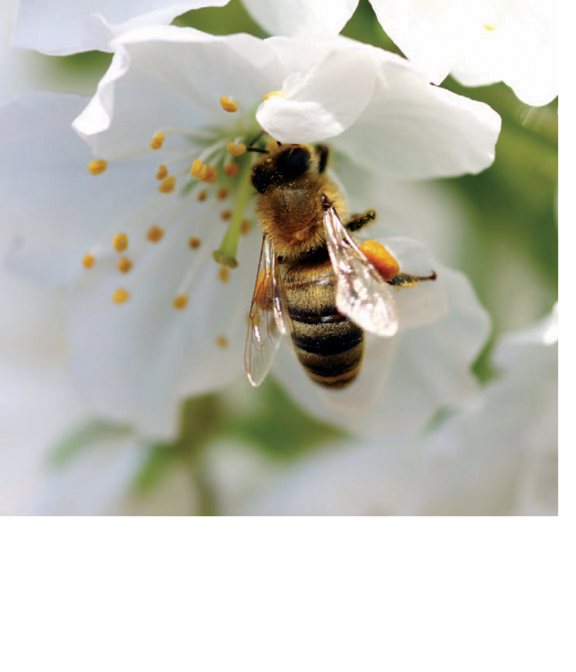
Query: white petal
x=413, y=130
x=407, y=379
x=480, y=43
x=302, y=18
x=66, y=27
x=315, y=105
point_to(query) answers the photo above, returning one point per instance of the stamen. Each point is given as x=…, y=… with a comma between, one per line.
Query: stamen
x=236, y=149
x=202, y=195
x=202, y=171
x=155, y=234
x=273, y=94
x=228, y=105
x=231, y=169
x=222, y=342
x=194, y=243
x=120, y=296
x=162, y=172
x=167, y=185
x=97, y=167
x=222, y=193
x=120, y=242
x=225, y=215
x=245, y=227
x=157, y=141
x=88, y=260
x=124, y=265
x=180, y=301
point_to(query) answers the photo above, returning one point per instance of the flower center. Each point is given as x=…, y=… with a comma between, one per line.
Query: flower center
x=211, y=165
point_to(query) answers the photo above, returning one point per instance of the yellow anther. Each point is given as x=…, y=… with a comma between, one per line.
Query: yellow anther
x=88, y=260
x=157, y=141
x=222, y=193
x=245, y=227
x=225, y=215
x=228, y=105
x=162, y=172
x=224, y=274
x=489, y=27
x=155, y=234
x=222, y=342
x=120, y=242
x=194, y=243
x=273, y=94
x=180, y=302
x=124, y=265
x=97, y=167
x=120, y=296
x=231, y=169
x=167, y=185
x=236, y=149
x=199, y=169
x=202, y=195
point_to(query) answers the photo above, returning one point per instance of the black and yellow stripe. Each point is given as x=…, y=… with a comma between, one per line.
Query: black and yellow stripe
x=327, y=343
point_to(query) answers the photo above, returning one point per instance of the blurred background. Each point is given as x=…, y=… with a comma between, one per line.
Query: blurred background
x=499, y=227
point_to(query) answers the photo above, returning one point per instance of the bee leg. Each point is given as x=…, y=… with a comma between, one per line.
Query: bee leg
x=323, y=154
x=356, y=222
x=406, y=280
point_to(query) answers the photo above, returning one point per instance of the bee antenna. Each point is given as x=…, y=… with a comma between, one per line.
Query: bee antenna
x=257, y=149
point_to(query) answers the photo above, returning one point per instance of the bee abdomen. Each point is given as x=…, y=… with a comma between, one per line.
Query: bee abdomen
x=328, y=345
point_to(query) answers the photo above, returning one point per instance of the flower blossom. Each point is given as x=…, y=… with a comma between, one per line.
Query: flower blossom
x=496, y=456
x=134, y=220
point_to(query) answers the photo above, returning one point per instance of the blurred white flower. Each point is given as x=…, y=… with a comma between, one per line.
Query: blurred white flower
x=60, y=27
x=153, y=318
x=497, y=456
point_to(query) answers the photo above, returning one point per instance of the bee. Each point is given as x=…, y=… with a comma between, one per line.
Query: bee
x=314, y=281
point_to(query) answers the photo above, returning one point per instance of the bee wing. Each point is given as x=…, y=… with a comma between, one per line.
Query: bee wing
x=266, y=322
x=361, y=293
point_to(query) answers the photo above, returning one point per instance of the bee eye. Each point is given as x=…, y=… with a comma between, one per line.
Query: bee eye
x=293, y=162
x=261, y=179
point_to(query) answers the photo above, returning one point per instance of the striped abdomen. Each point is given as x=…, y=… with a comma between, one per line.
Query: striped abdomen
x=329, y=346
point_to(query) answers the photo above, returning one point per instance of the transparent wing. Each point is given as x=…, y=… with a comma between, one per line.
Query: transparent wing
x=361, y=293
x=266, y=322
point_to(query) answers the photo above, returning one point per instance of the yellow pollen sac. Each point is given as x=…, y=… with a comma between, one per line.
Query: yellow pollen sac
x=224, y=274
x=155, y=234
x=167, y=185
x=180, y=302
x=97, y=167
x=120, y=296
x=222, y=342
x=231, y=169
x=157, y=141
x=236, y=149
x=162, y=172
x=88, y=260
x=199, y=169
x=228, y=105
x=124, y=265
x=245, y=227
x=382, y=260
x=194, y=243
x=273, y=94
x=120, y=242
x=225, y=215
x=202, y=195
x=222, y=193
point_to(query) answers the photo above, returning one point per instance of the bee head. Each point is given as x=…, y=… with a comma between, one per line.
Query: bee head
x=285, y=165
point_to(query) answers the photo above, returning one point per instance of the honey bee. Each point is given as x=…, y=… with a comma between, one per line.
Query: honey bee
x=314, y=281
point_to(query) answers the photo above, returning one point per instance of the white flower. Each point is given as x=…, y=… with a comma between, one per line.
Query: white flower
x=67, y=27
x=478, y=41
x=498, y=456
x=178, y=328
